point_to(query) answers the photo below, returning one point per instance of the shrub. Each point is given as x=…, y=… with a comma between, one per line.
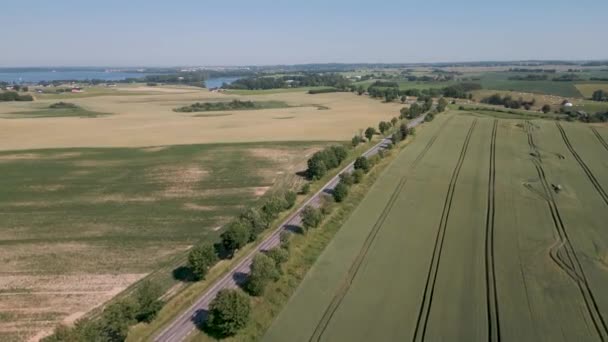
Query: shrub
x=311, y=217
x=305, y=189
x=346, y=178
x=358, y=176
x=279, y=255
x=147, y=296
x=340, y=192
x=290, y=199
x=256, y=222
x=229, y=312
x=263, y=271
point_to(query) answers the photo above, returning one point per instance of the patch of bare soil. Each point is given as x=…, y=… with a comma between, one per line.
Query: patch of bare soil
x=36, y=304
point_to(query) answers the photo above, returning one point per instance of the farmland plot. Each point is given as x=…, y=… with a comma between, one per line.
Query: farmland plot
x=482, y=229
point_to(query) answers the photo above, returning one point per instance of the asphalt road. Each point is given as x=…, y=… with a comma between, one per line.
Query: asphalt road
x=185, y=323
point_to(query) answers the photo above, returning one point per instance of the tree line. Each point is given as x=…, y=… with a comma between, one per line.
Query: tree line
x=9, y=96
x=306, y=80
x=508, y=102
x=460, y=90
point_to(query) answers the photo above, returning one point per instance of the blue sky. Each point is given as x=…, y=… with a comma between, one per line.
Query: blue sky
x=257, y=32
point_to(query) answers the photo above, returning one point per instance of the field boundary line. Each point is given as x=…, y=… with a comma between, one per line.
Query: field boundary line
x=576, y=272
x=354, y=269
x=598, y=187
x=429, y=289
x=491, y=292
x=599, y=138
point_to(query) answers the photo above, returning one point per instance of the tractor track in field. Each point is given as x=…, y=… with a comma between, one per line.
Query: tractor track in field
x=429, y=289
x=598, y=187
x=599, y=138
x=491, y=295
x=354, y=269
x=565, y=263
x=575, y=270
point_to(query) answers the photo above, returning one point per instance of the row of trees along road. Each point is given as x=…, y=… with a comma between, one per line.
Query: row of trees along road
x=231, y=310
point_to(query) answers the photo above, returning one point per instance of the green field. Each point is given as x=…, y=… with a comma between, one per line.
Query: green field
x=121, y=199
x=54, y=113
x=464, y=238
x=500, y=81
x=81, y=224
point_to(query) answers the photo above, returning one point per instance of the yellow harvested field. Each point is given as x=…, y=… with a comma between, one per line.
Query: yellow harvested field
x=149, y=120
x=587, y=89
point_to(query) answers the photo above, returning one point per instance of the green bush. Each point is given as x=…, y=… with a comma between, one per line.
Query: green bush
x=201, y=258
x=311, y=217
x=229, y=312
x=362, y=163
x=358, y=176
x=263, y=270
x=340, y=192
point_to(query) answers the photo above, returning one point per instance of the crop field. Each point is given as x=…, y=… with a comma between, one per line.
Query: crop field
x=482, y=229
x=587, y=89
x=500, y=81
x=149, y=119
x=79, y=225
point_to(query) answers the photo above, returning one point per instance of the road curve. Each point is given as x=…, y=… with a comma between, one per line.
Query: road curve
x=185, y=323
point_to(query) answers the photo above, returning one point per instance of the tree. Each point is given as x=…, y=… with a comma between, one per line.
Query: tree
x=358, y=176
x=147, y=296
x=384, y=126
x=236, y=236
x=396, y=137
x=272, y=207
x=229, y=312
x=369, y=133
x=546, y=109
x=201, y=258
x=405, y=131
x=403, y=99
x=115, y=321
x=599, y=95
x=394, y=121
x=256, y=222
x=356, y=140
x=263, y=271
x=311, y=217
x=441, y=104
x=340, y=192
x=404, y=112
x=290, y=199
x=360, y=90
x=362, y=163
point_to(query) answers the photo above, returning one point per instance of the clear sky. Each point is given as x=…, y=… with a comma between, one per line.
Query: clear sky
x=256, y=32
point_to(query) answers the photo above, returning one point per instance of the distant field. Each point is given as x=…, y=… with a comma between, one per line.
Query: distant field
x=54, y=113
x=269, y=91
x=404, y=85
x=500, y=81
x=587, y=89
x=79, y=225
x=464, y=238
x=146, y=120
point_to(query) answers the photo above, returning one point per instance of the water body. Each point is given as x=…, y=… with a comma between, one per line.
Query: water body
x=80, y=75
x=35, y=76
x=217, y=82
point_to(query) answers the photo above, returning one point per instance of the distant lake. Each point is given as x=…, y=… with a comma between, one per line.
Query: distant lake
x=80, y=75
x=35, y=76
x=217, y=82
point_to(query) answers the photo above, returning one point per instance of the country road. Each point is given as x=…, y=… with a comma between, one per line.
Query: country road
x=185, y=323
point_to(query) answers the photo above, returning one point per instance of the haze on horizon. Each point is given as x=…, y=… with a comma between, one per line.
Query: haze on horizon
x=142, y=33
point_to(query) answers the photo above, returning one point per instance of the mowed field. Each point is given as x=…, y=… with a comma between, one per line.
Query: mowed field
x=140, y=116
x=464, y=238
x=79, y=225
